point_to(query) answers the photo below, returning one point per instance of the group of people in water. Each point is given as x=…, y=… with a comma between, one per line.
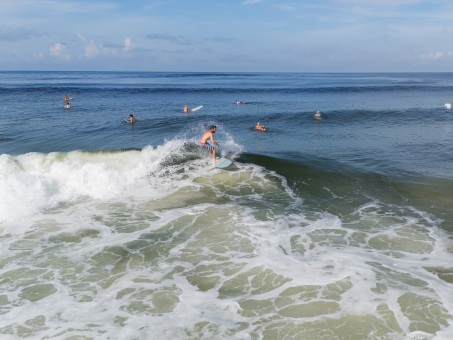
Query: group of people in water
x=207, y=139
x=258, y=126
x=208, y=142
x=66, y=99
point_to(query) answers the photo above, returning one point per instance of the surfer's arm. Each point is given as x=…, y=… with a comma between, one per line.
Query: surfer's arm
x=213, y=141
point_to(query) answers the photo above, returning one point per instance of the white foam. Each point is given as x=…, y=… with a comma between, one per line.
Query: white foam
x=203, y=243
x=35, y=182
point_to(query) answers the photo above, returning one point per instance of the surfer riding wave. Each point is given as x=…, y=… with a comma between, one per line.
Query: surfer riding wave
x=209, y=135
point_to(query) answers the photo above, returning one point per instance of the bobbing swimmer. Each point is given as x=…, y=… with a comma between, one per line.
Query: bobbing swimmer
x=260, y=127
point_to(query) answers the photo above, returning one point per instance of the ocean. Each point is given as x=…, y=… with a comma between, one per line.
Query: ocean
x=332, y=228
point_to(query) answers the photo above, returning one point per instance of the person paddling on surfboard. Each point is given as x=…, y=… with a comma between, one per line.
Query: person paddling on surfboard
x=186, y=109
x=209, y=135
x=132, y=119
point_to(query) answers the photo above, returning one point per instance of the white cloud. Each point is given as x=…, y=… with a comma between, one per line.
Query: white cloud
x=251, y=2
x=91, y=49
x=128, y=45
x=58, y=51
x=433, y=56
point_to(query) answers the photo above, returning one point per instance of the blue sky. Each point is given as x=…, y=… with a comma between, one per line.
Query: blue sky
x=227, y=35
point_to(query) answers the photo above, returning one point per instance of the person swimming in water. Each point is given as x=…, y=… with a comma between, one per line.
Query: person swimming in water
x=260, y=127
x=132, y=119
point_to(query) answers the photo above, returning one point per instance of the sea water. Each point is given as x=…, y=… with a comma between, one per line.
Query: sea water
x=331, y=228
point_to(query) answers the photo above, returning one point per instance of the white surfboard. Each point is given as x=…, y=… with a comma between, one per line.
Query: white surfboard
x=223, y=163
x=196, y=108
x=126, y=120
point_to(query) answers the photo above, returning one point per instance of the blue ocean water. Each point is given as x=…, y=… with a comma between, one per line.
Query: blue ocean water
x=338, y=227
x=388, y=118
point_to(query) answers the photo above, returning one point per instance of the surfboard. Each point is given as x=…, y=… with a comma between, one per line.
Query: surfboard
x=223, y=163
x=196, y=108
x=126, y=120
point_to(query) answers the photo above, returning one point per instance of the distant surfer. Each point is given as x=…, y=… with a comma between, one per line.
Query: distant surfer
x=132, y=119
x=317, y=115
x=66, y=98
x=208, y=135
x=238, y=102
x=67, y=106
x=260, y=127
x=186, y=109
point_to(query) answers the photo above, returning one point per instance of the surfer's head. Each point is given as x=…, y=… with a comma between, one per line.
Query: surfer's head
x=213, y=128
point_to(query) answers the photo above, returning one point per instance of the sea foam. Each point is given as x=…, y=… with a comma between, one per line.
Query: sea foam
x=35, y=181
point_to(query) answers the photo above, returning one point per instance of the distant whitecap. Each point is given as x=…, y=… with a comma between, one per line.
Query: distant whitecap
x=448, y=106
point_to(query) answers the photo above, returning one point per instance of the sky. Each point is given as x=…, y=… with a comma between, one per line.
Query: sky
x=227, y=35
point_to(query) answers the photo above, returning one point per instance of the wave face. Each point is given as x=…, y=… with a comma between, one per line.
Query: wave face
x=324, y=229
